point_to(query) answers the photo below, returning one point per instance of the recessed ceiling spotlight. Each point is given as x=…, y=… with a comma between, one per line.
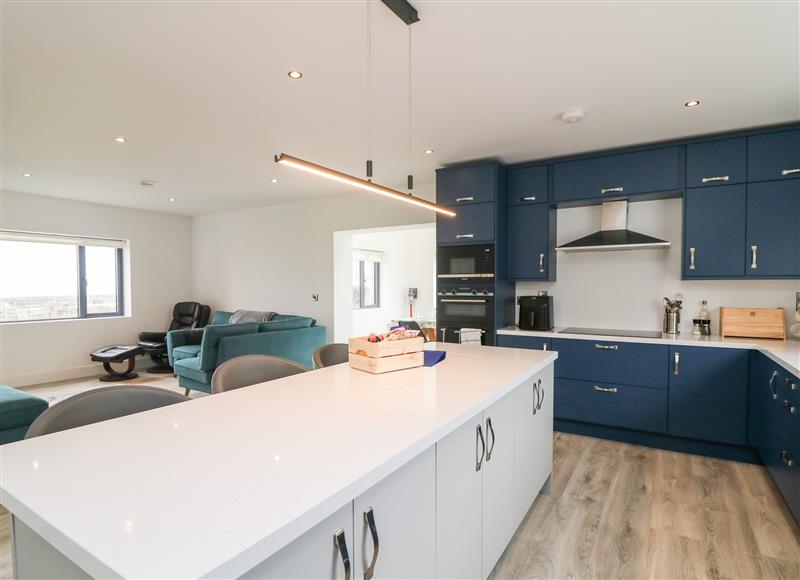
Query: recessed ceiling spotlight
x=120, y=139
x=691, y=104
x=172, y=200
x=27, y=174
x=295, y=74
x=274, y=180
x=572, y=115
x=428, y=151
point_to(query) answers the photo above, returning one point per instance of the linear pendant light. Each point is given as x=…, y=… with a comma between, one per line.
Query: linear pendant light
x=334, y=175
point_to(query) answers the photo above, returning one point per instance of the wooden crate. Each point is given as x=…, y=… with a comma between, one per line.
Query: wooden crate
x=753, y=322
x=360, y=345
x=386, y=356
x=387, y=364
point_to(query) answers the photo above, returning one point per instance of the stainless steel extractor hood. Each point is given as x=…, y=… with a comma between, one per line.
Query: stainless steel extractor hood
x=614, y=234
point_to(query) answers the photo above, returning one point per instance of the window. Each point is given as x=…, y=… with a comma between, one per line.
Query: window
x=51, y=277
x=366, y=279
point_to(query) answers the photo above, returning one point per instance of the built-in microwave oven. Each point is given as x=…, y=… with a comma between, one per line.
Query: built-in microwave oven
x=465, y=262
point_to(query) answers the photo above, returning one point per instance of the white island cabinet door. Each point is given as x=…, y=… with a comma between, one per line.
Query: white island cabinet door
x=398, y=515
x=533, y=441
x=499, y=521
x=324, y=551
x=459, y=487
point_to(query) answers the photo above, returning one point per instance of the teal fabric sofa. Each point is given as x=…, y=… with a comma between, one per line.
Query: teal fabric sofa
x=196, y=354
x=18, y=410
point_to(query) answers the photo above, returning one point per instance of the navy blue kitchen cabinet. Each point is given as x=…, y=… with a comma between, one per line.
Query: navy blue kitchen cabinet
x=626, y=363
x=708, y=393
x=774, y=156
x=619, y=175
x=611, y=404
x=530, y=242
x=527, y=185
x=472, y=223
x=773, y=233
x=714, y=231
x=775, y=423
x=716, y=162
x=529, y=342
x=467, y=184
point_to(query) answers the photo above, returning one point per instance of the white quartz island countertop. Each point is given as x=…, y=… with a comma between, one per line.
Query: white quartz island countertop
x=213, y=486
x=784, y=352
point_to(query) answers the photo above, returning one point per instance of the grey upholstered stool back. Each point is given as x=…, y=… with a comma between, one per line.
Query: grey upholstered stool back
x=331, y=354
x=100, y=405
x=252, y=369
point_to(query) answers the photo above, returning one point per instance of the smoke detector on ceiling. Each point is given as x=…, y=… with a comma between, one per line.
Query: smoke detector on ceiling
x=572, y=115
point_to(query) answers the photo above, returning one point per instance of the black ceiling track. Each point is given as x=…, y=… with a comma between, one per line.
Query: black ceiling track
x=403, y=9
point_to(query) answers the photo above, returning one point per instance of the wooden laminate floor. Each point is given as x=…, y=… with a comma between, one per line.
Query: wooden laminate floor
x=619, y=511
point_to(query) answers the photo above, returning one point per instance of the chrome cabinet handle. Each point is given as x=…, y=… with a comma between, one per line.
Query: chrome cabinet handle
x=468, y=198
x=600, y=389
x=691, y=258
x=676, y=367
x=464, y=236
x=489, y=431
x=479, y=456
x=535, y=398
x=790, y=385
x=787, y=460
x=790, y=171
x=528, y=198
x=544, y=346
x=340, y=542
x=716, y=178
x=369, y=519
x=754, y=261
x=792, y=409
x=771, y=387
x=541, y=262
x=606, y=346
x=611, y=189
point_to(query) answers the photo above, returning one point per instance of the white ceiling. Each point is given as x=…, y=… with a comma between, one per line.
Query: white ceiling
x=201, y=89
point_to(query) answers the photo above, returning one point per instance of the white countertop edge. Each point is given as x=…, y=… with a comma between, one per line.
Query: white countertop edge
x=767, y=347
x=257, y=553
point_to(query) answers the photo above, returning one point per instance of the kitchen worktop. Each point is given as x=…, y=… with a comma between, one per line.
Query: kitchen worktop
x=215, y=485
x=785, y=353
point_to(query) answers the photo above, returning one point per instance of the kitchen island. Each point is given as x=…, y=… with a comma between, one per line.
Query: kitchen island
x=300, y=477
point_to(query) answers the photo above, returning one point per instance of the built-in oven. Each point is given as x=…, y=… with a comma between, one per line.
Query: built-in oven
x=459, y=308
x=475, y=263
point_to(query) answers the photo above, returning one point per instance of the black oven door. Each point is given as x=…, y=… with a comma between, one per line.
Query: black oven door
x=465, y=309
x=465, y=262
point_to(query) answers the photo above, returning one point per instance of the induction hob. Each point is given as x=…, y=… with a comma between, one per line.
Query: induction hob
x=613, y=332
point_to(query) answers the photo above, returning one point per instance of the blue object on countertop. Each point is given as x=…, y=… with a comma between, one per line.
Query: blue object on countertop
x=434, y=356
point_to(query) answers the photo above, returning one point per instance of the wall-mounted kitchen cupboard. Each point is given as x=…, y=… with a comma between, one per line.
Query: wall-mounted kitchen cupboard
x=773, y=229
x=712, y=163
x=714, y=231
x=476, y=192
x=530, y=242
x=527, y=184
x=774, y=156
x=619, y=175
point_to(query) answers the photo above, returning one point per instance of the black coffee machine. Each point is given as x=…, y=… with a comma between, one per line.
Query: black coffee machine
x=536, y=312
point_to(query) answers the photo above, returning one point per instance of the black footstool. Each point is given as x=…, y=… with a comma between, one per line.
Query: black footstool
x=117, y=354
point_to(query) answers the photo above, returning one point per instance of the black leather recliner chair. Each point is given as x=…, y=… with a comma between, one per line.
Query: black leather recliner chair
x=185, y=315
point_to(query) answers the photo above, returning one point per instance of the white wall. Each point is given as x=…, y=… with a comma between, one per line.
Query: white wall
x=276, y=257
x=160, y=275
x=624, y=290
x=409, y=257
